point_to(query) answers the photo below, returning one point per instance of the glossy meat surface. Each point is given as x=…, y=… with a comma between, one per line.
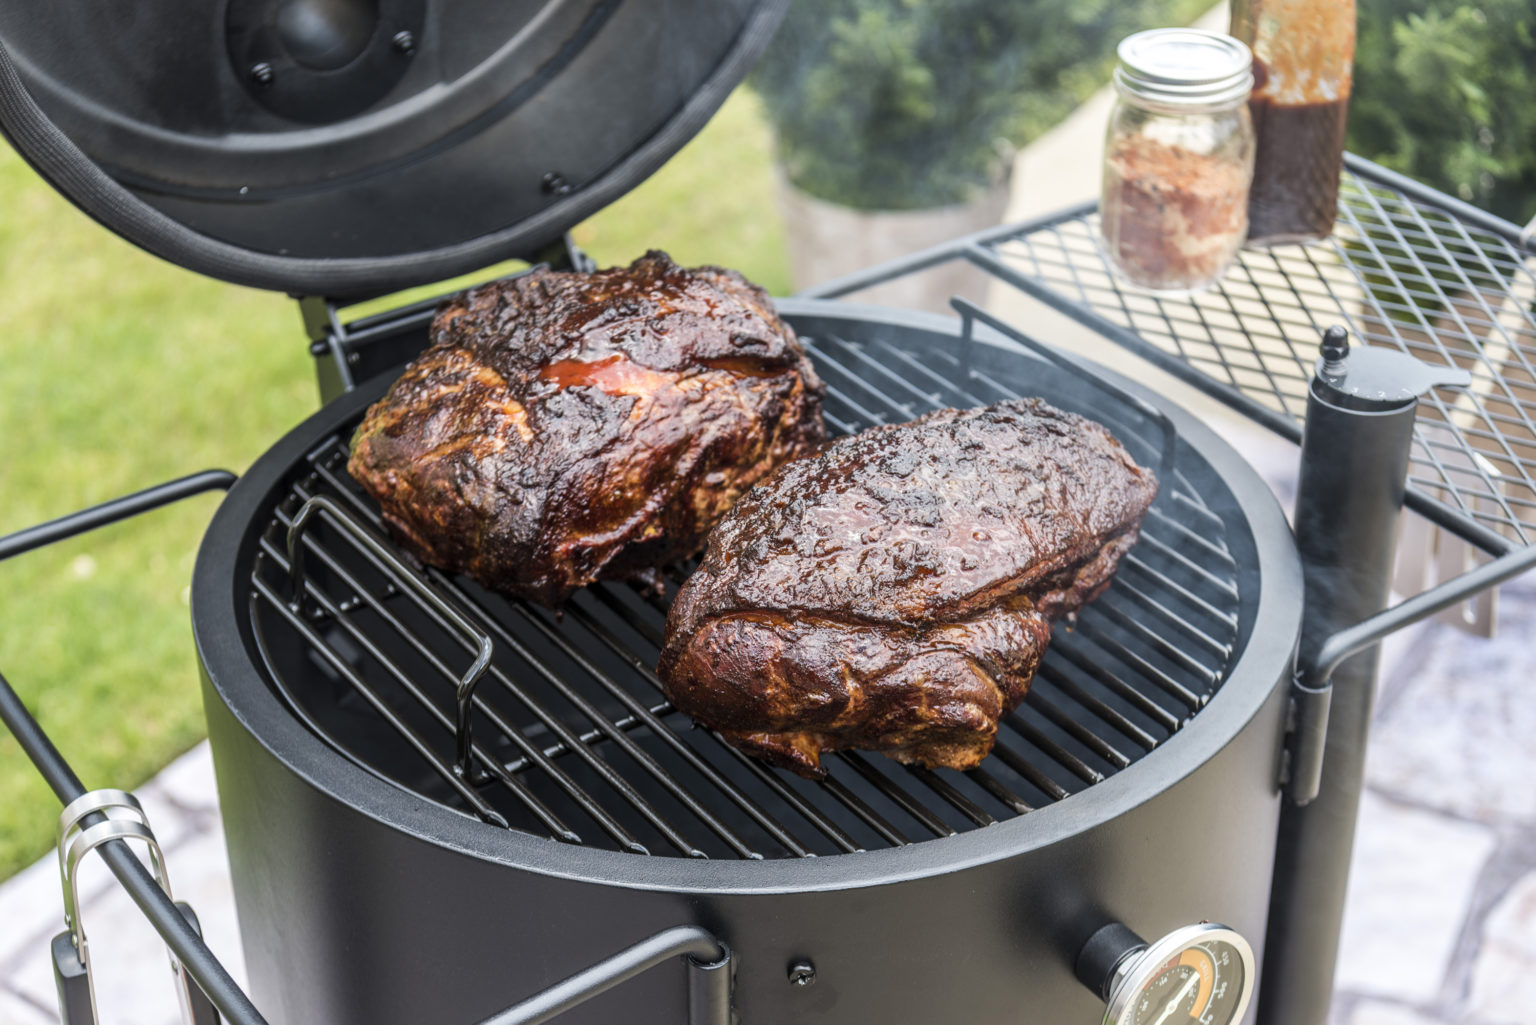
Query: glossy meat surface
x=564, y=427
x=896, y=591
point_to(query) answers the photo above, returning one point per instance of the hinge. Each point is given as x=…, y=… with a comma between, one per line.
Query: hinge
x=327, y=344
x=346, y=353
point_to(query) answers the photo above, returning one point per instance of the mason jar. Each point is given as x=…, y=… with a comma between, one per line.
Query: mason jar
x=1178, y=159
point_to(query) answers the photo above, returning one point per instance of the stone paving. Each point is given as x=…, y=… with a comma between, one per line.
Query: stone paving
x=1441, y=921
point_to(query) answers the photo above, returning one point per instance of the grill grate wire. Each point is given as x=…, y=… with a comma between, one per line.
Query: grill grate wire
x=575, y=741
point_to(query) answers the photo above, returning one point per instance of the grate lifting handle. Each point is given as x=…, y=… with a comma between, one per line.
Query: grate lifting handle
x=173, y=921
x=970, y=313
x=384, y=555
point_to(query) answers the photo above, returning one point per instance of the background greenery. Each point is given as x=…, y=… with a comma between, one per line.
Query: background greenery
x=1445, y=92
x=904, y=104
x=118, y=371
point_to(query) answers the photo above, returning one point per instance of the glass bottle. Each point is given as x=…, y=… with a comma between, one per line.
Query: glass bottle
x=1178, y=159
x=1304, y=54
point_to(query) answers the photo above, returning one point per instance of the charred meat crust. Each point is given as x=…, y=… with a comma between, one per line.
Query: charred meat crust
x=895, y=591
x=566, y=427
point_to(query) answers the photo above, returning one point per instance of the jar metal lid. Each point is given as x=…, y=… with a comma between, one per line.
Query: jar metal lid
x=1185, y=67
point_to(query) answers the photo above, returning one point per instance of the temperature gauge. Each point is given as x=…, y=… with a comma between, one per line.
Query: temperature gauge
x=1198, y=975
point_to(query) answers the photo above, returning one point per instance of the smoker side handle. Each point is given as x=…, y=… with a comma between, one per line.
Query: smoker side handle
x=185, y=941
x=1313, y=686
x=709, y=979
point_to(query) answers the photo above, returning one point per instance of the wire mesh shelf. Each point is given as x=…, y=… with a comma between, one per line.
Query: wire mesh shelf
x=1407, y=268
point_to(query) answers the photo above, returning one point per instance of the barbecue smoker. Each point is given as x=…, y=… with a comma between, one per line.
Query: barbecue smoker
x=441, y=803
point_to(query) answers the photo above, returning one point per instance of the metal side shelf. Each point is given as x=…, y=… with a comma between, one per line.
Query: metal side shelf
x=1407, y=268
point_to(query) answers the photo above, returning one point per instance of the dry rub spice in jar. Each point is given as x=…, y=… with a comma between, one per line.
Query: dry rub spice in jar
x=1178, y=159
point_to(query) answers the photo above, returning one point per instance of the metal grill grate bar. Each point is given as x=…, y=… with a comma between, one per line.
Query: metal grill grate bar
x=942, y=787
x=531, y=752
x=1080, y=733
x=895, y=794
x=1096, y=670
x=1052, y=789
x=619, y=737
x=1115, y=719
x=1081, y=769
x=1012, y=801
x=420, y=745
x=806, y=811
x=591, y=737
x=574, y=790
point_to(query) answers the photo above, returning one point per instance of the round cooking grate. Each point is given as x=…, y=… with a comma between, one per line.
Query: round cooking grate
x=574, y=739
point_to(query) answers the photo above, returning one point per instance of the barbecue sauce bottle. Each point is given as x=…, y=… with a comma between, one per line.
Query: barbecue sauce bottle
x=1303, y=64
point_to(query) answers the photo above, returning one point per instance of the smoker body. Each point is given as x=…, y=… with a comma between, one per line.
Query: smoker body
x=361, y=902
x=347, y=919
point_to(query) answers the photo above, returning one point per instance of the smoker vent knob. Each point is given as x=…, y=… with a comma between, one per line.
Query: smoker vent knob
x=1335, y=349
x=1105, y=951
x=1202, y=972
x=1374, y=378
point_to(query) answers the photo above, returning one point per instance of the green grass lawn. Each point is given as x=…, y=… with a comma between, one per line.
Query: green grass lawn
x=118, y=371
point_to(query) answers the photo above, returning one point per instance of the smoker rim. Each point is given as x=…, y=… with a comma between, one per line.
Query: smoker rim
x=230, y=668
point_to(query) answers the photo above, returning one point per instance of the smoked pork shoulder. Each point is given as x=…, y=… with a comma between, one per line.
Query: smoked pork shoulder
x=565, y=427
x=896, y=591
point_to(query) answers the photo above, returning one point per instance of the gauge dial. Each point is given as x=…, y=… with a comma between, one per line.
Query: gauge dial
x=1198, y=975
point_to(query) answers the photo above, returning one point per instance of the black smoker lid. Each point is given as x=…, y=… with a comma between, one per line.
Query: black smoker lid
x=353, y=147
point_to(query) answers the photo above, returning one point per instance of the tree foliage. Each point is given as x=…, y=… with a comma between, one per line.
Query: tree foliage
x=905, y=104
x=1445, y=92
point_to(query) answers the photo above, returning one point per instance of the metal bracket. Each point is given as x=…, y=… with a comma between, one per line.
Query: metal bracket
x=709, y=979
x=346, y=352
x=464, y=693
x=119, y=817
x=1313, y=687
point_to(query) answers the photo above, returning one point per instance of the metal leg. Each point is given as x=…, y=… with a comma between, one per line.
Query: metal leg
x=1354, y=461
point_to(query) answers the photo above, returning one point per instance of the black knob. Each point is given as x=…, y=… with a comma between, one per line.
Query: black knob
x=1335, y=344
x=1103, y=953
x=325, y=34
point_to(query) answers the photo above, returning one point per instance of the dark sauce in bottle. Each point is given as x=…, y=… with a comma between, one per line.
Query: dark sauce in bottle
x=1302, y=72
x=1295, y=193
